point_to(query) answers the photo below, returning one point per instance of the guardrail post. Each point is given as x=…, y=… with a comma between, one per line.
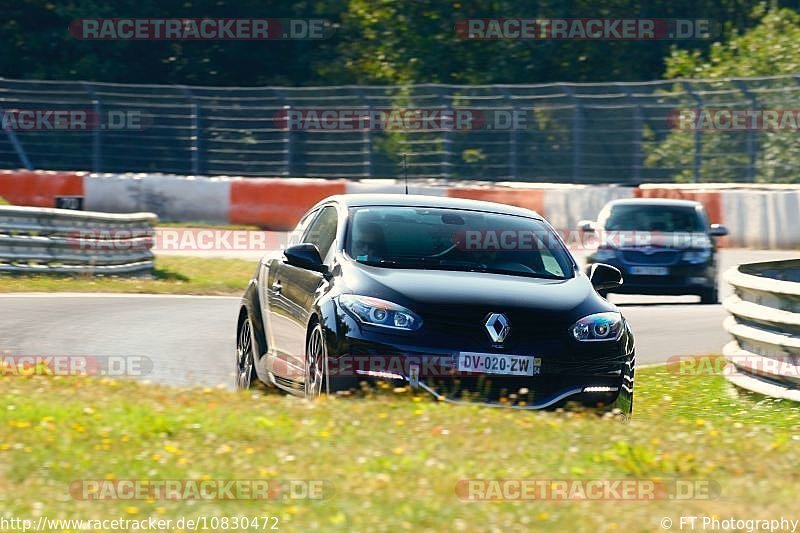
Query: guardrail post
x=97, y=139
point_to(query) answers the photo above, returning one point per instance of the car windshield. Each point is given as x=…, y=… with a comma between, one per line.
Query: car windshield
x=453, y=239
x=663, y=218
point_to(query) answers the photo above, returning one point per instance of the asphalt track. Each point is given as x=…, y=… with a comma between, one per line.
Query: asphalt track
x=190, y=339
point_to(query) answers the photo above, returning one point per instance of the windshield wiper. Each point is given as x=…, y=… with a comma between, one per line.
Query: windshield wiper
x=524, y=273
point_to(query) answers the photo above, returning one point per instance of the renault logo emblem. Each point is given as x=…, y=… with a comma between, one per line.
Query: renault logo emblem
x=498, y=327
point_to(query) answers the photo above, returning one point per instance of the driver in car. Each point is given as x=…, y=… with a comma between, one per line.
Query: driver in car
x=369, y=243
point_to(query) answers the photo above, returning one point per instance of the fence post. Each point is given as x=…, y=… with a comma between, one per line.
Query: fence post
x=698, y=139
x=577, y=132
x=513, y=148
x=638, y=151
x=366, y=133
x=752, y=152
x=447, y=140
x=97, y=139
x=289, y=143
x=289, y=157
x=196, y=131
x=368, y=140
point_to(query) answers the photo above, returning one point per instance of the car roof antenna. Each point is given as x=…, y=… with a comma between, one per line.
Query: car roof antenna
x=405, y=171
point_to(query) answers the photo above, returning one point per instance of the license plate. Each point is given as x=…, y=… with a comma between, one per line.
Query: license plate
x=490, y=363
x=649, y=271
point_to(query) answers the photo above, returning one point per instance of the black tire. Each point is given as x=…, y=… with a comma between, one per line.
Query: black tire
x=328, y=384
x=603, y=293
x=314, y=381
x=709, y=296
x=245, y=362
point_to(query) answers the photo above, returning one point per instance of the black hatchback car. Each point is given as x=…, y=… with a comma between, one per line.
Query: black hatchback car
x=662, y=246
x=468, y=300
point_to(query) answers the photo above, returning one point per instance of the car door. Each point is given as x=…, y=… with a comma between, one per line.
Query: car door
x=275, y=305
x=293, y=290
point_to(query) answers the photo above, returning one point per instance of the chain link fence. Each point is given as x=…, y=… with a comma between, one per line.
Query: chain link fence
x=624, y=133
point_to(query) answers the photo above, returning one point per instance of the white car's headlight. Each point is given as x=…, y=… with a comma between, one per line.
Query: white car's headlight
x=604, y=254
x=697, y=256
x=598, y=327
x=377, y=312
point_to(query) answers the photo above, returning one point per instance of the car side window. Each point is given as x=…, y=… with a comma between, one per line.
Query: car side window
x=299, y=230
x=322, y=231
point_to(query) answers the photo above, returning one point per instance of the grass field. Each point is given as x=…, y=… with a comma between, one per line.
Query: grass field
x=172, y=275
x=388, y=459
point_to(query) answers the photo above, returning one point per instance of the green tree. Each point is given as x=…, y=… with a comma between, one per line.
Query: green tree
x=772, y=48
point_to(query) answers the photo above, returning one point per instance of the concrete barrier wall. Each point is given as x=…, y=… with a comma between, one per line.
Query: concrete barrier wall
x=764, y=219
x=37, y=188
x=757, y=216
x=172, y=198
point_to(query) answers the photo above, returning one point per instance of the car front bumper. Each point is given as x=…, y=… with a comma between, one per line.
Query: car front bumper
x=594, y=376
x=680, y=279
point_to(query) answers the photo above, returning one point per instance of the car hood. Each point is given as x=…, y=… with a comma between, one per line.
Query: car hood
x=428, y=289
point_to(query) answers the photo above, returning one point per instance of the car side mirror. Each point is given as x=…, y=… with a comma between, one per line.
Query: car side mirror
x=305, y=256
x=717, y=230
x=586, y=225
x=604, y=276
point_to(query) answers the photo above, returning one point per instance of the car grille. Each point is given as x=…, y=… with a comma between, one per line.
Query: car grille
x=660, y=257
x=514, y=390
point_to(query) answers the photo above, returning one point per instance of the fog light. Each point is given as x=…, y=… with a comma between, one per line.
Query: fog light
x=600, y=389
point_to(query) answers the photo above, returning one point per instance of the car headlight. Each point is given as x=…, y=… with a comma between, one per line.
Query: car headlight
x=697, y=256
x=604, y=254
x=598, y=327
x=377, y=312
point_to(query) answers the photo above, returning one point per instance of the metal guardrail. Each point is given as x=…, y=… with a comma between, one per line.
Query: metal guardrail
x=764, y=320
x=62, y=241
